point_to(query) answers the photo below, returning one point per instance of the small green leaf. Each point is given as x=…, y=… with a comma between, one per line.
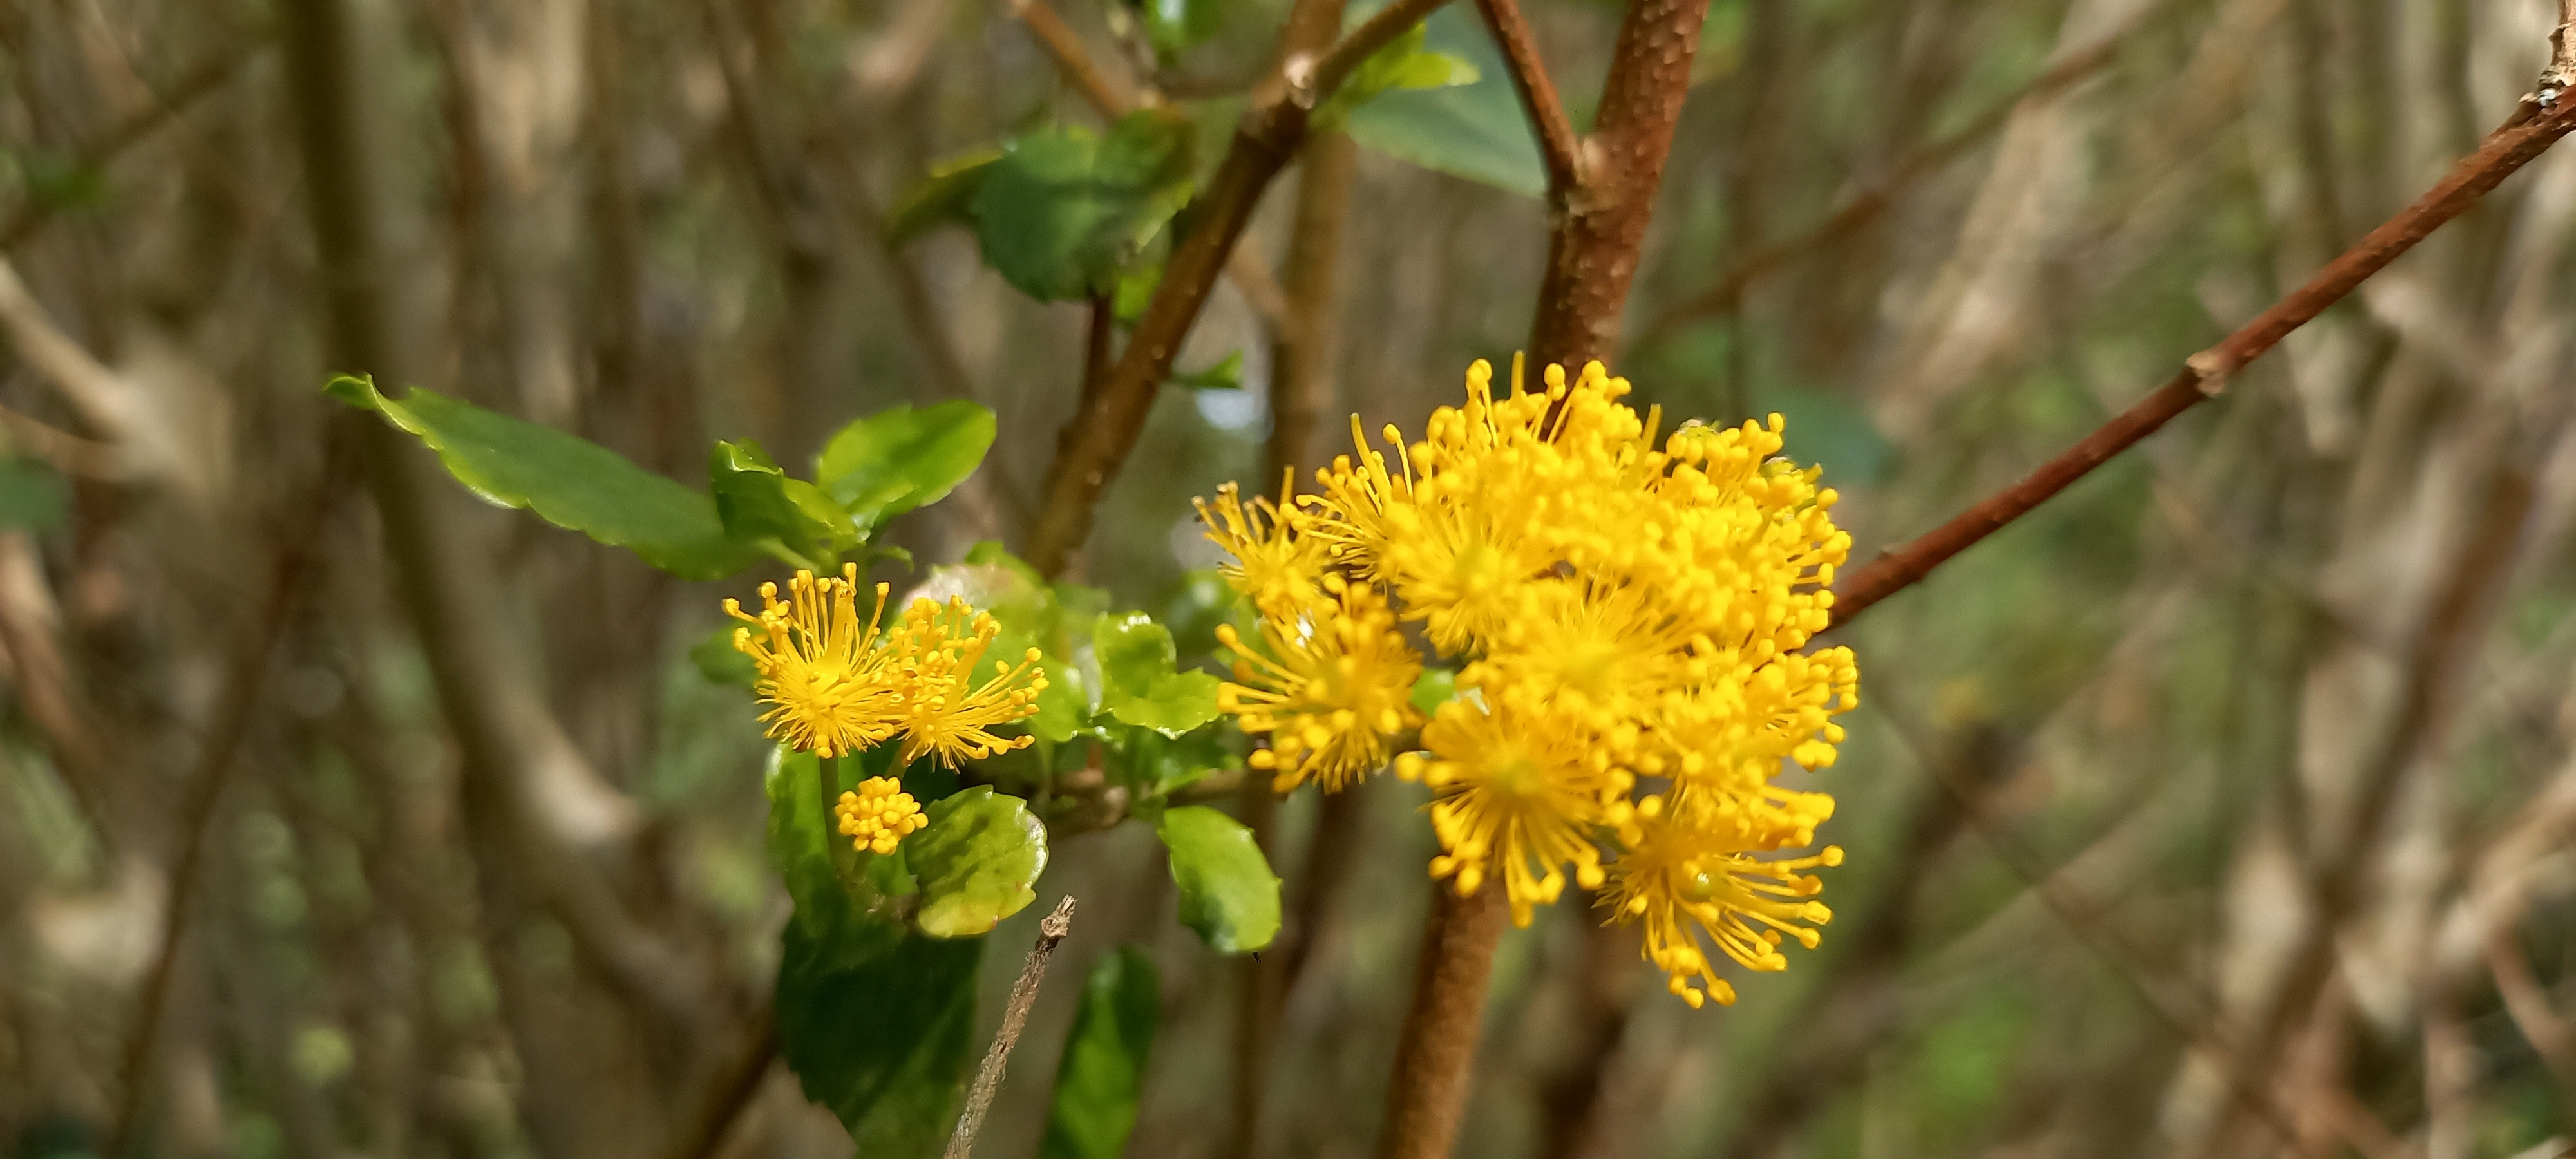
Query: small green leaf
x=1172, y=26
x=1436, y=687
x=942, y=197
x=1227, y=374
x=882, y=1038
x=895, y=460
x=758, y=503
x=1476, y=130
x=1103, y=1072
x=1064, y=212
x=1404, y=64
x=722, y=663
x=1132, y=650
x=976, y=862
x=1228, y=893
x=1175, y=703
x=1137, y=682
x=32, y=496
x=571, y=482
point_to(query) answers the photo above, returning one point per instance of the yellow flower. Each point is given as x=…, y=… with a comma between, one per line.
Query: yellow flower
x=1679, y=879
x=827, y=679
x=946, y=714
x=879, y=815
x=1621, y=604
x=1518, y=793
x=1333, y=692
x=1281, y=573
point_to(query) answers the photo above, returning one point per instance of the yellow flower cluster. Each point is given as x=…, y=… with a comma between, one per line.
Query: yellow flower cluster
x=1628, y=617
x=879, y=815
x=834, y=685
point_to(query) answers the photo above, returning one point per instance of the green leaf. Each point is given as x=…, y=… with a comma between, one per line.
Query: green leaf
x=942, y=197
x=1138, y=685
x=884, y=1040
x=1103, y=1072
x=1476, y=131
x=895, y=460
x=758, y=503
x=1227, y=374
x=571, y=482
x=976, y=862
x=722, y=663
x=1437, y=686
x=1228, y=893
x=1403, y=65
x=32, y=496
x=1063, y=212
x=1172, y=26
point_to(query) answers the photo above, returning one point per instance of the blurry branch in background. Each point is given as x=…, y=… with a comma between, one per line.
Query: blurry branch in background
x=1015, y=1018
x=1059, y=40
x=508, y=743
x=1876, y=193
x=245, y=678
x=726, y=1088
x=1095, y=443
x=2530, y=131
x=100, y=396
x=192, y=86
x=2338, y=874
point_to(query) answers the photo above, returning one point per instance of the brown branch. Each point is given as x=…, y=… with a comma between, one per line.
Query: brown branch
x=192, y=86
x=1015, y=1018
x=1593, y=252
x=1877, y=196
x=1058, y=38
x=1437, y=1049
x=1557, y=145
x=1103, y=432
x=2529, y=132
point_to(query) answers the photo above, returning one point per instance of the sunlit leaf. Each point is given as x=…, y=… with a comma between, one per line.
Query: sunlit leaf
x=895, y=460
x=570, y=481
x=758, y=503
x=1475, y=130
x=1138, y=683
x=1228, y=893
x=976, y=863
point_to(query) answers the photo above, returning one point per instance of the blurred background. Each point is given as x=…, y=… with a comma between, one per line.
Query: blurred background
x=2224, y=807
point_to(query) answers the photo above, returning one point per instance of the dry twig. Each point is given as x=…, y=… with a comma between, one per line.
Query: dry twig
x=1015, y=1018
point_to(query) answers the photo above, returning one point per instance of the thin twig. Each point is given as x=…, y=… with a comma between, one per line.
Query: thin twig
x=1557, y=144
x=1058, y=39
x=2528, y=133
x=1015, y=1018
x=1876, y=196
x=1101, y=435
x=32, y=214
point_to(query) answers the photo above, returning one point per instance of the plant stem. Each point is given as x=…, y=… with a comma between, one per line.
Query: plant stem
x=1015, y=1018
x=1434, y=1058
x=1100, y=436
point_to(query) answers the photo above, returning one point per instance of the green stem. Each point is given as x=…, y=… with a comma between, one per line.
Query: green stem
x=845, y=854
